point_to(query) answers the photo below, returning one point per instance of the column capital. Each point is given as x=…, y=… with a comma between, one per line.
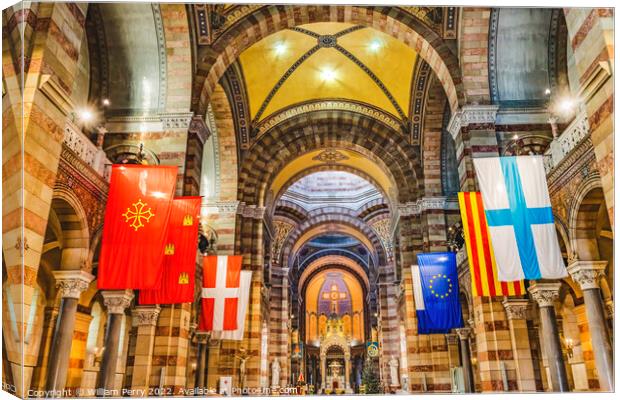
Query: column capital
x=72, y=283
x=545, y=293
x=587, y=273
x=516, y=308
x=471, y=114
x=452, y=338
x=145, y=315
x=202, y=337
x=463, y=333
x=117, y=301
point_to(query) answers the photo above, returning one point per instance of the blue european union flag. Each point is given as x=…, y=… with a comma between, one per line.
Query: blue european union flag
x=436, y=293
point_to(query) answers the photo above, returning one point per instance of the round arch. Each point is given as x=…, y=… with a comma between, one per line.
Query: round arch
x=213, y=61
x=271, y=153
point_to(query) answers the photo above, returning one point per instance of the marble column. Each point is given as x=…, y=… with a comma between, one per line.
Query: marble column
x=145, y=319
x=516, y=311
x=323, y=372
x=70, y=285
x=545, y=295
x=587, y=274
x=468, y=373
x=347, y=373
x=201, y=362
x=116, y=301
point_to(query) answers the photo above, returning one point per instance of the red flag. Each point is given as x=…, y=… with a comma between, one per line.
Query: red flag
x=220, y=293
x=179, y=255
x=134, y=229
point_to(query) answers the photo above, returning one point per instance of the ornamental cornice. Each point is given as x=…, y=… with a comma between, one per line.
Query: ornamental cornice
x=545, y=294
x=116, y=301
x=471, y=114
x=516, y=308
x=426, y=203
x=222, y=207
x=292, y=112
x=145, y=315
x=587, y=273
x=71, y=284
x=251, y=211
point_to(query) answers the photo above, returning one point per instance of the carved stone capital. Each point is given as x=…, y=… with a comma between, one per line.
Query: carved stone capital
x=545, y=294
x=71, y=284
x=463, y=333
x=251, y=211
x=452, y=338
x=198, y=127
x=471, y=114
x=587, y=273
x=117, y=301
x=202, y=337
x=145, y=315
x=516, y=308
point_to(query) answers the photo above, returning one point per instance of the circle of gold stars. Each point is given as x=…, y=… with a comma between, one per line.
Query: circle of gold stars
x=436, y=278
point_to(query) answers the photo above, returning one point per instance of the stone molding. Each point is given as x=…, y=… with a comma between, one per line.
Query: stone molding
x=71, y=284
x=587, y=273
x=152, y=122
x=471, y=114
x=116, y=301
x=251, y=211
x=516, y=308
x=426, y=203
x=222, y=207
x=545, y=294
x=463, y=333
x=145, y=315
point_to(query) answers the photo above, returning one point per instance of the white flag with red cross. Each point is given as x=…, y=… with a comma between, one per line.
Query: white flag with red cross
x=225, y=294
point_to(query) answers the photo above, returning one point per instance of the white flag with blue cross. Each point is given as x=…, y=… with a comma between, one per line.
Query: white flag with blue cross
x=518, y=210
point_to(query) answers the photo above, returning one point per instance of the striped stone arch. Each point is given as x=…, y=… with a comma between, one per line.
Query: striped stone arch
x=290, y=210
x=335, y=217
x=213, y=61
x=582, y=217
x=70, y=225
x=313, y=131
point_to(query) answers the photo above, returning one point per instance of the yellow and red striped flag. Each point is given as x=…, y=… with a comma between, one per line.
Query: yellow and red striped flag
x=482, y=265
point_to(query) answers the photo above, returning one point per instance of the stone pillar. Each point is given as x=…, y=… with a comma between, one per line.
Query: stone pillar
x=201, y=361
x=70, y=285
x=323, y=372
x=468, y=373
x=516, y=311
x=145, y=319
x=587, y=274
x=545, y=294
x=347, y=373
x=116, y=302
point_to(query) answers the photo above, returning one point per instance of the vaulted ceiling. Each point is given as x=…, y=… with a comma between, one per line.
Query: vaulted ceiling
x=328, y=61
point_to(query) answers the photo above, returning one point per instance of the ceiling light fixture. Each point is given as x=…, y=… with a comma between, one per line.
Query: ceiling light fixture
x=85, y=115
x=375, y=45
x=280, y=48
x=328, y=74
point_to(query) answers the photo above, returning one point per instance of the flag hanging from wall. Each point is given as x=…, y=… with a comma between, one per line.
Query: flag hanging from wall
x=482, y=267
x=225, y=296
x=181, y=245
x=134, y=229
x=518, y=212
x=436, y=293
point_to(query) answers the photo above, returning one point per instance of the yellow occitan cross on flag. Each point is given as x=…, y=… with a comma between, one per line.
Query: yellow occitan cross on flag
x=138, y=214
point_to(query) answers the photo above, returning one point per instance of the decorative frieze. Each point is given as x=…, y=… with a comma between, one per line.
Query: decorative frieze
x=145, y=315
x=251, y=211
x=427, y=203
x=330, y=156
x=471, y=114
x=116, y=301
x=282, y=229
x=545, y=294
x=330, y=105
x=516, y=308
x=71, y=284
x=587, y=273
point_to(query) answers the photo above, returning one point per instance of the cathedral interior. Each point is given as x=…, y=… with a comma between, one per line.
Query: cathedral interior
x=328, y=143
